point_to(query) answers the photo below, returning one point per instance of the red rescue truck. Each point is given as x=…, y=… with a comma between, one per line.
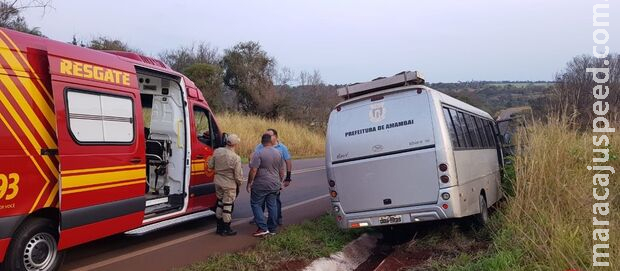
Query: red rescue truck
x=94, y=144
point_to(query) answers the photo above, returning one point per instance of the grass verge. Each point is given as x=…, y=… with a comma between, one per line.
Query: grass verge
x=301, y=141
x=295, y=246
x=547, y=221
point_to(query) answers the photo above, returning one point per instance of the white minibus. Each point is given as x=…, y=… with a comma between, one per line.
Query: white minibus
x=400, y=152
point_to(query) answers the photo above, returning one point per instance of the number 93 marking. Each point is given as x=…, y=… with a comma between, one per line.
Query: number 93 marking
x=9, y=186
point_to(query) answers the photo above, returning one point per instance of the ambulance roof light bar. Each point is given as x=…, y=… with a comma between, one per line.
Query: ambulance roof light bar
x=398, y=80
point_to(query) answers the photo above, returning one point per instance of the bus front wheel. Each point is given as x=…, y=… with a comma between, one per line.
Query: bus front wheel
x=35, y=247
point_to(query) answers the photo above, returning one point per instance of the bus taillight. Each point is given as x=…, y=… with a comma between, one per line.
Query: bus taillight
x=444, y=178
x=332, y=183
x=443, y=167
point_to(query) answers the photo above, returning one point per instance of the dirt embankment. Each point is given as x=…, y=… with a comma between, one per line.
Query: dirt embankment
x=426, y=246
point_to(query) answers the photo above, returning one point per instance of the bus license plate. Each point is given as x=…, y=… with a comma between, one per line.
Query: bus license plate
x=390, y=219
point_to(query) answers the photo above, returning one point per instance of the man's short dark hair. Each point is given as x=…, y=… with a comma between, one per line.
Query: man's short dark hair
x=275, y=133
x=265, y=139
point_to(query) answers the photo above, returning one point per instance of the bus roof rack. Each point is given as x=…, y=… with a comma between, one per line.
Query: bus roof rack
x=381, y=83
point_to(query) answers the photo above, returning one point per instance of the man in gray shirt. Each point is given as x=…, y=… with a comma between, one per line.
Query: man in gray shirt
x=265, y=181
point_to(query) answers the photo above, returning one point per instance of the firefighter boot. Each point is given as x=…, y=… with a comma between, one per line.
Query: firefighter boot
x=227, y=230
x=220, y=226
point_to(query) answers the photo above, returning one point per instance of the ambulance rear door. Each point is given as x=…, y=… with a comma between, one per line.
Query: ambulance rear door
x=100, y=144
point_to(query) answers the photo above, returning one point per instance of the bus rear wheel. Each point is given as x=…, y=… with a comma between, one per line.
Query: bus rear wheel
x=35, y=247
x=482, y=218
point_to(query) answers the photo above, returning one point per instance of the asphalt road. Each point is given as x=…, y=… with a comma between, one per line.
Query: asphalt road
x=184, y=244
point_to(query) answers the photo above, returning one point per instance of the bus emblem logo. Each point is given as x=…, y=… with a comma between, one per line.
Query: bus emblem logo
x=377, y=148
x=377, y=112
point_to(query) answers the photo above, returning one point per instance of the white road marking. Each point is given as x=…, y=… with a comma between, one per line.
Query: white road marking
x=301, y=171
x=306, y=170
x=182, y=239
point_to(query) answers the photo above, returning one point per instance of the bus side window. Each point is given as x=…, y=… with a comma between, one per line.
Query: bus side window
x=473, y=131
x=457, y=128
x=489, y=128
x=481, y=132
x=466, y=135
x=448, y=119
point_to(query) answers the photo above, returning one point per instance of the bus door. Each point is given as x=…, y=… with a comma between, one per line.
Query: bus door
x=100, y=148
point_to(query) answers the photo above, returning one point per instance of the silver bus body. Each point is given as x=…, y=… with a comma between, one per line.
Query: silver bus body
x=384, y=150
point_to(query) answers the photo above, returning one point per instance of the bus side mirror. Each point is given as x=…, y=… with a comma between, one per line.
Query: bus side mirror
x=507, y=138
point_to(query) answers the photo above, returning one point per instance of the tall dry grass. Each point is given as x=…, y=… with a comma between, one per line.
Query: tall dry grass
x=300, y=141
x=550, y=216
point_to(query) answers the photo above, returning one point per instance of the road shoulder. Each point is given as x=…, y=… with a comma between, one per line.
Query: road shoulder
x=199, y=246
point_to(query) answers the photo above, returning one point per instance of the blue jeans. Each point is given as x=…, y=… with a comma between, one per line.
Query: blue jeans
x=258, y=198
x=279, y=203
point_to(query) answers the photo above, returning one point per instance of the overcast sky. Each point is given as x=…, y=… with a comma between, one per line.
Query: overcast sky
x=353, y=40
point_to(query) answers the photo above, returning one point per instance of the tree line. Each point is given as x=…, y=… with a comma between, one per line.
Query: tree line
x=572, y=94
x=244, y=78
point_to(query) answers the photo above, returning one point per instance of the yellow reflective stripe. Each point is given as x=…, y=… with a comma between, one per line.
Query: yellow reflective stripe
x=25, y=106
x=52, y=196
x=9, y=107
x=101, y=178
x=102, y=187
x=21, y=144
x=198, y=167
x=22, y=124
x=8, y=55
x=39, y=101
x=19, y=52
x=85, y=170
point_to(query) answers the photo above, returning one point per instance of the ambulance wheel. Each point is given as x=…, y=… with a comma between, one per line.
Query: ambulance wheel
x=35, y=247
x=482, y=218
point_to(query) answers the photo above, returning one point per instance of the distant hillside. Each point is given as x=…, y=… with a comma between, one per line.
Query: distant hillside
x=311, y=105
x=494, y=96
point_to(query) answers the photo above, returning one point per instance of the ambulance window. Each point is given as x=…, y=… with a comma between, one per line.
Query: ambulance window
x=202, y=125
x=100, y=118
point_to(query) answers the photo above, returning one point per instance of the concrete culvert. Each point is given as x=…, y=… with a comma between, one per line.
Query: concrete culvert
x=353, y=254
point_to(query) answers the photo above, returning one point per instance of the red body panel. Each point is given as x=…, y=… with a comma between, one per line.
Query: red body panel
x=36, y=143
x=4, y=245
x=80, y=235
x=89, y=198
